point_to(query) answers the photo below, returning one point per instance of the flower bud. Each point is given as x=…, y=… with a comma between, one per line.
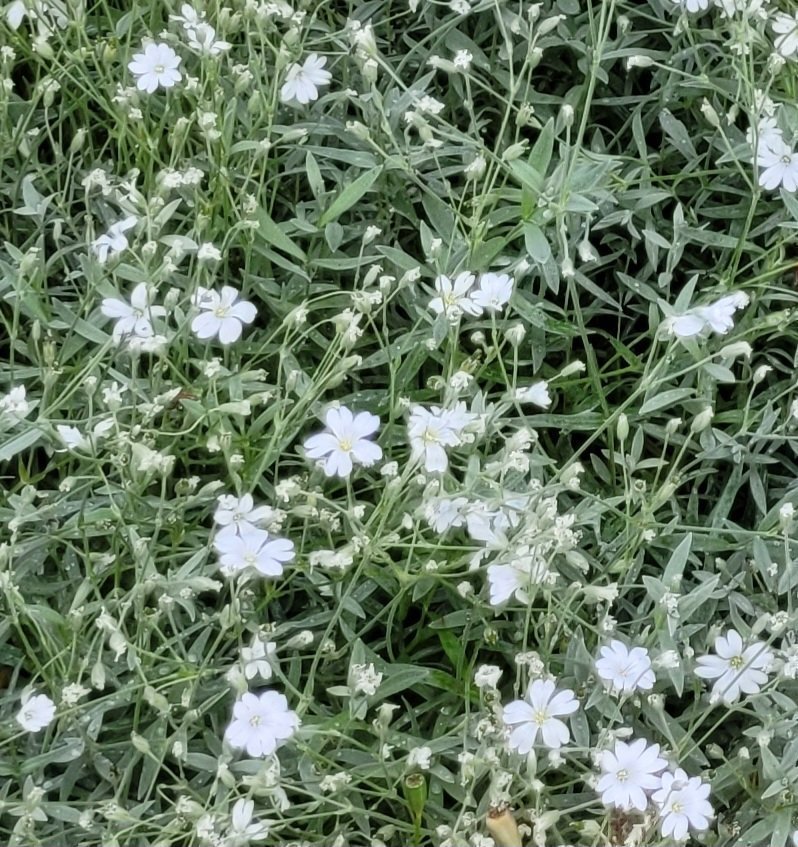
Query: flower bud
x=638, y=62
x=738, y=348
x=514, y=151
x=502, y=826
x=710, y=114
x=622, y=428
x=702, y=420
x=415, y=791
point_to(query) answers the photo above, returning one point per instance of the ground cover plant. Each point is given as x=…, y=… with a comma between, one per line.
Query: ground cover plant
x=397, y=423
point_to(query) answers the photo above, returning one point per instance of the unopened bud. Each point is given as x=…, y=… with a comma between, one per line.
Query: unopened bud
x=710, y=114
x=514, y=151
x=502, y=826
x=622, y=428
x=702, y=420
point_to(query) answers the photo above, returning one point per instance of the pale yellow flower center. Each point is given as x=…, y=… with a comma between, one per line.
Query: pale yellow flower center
x=540, y=717
x=345, y=444
x=159, y=69
x=736, y=662
x=221, y=311
x=254, y=720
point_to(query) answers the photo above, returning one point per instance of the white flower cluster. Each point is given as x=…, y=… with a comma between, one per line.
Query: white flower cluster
x=464, y=295
x=776, y=159
x=221, y=314
x=260, y=722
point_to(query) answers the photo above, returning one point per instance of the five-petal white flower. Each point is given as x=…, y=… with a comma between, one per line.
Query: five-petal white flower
x=302, y=82
x=252, y=549
x=156, y=66
x=240, y=512
x=683, y=805
x=625, y=670
x=261, y=723
x=493, y=292
x=453, y=296
x=242, y=829
x=37, y=712
x=114, y=241
x=432, y=430
x=537, y=394
x=539, y=712
x=256, y=659
x=701, y=320
x=736, y=669
x=628, y=772
x=346, y=442
x=134, y=319
x=222, y=314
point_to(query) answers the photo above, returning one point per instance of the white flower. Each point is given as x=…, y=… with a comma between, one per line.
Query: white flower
x=240, y=512
x=487, y=676
x=736, y=669
x=700, y=320
x=72, y=693
x=114, y=241
x=303, y=81
x=74, y=439
x=15, y=403
x=628, y=773
x=537, y=393
x=494, y=292
x=207, y=252
x=257, y=658
x=202, y=39
x=526, y=568
x=37, y=712
x=539, y=712
x=157, y=65
x=261, y=723
x=778, y=167
x=462, y=59
x=189, y=17
x=242, y=829
x=693, y=5
x=420, y=757
x=364, y=679
x=786, y=42
x=768, y=137
x=39, y=10
x=134, y=319
x=683, y=805
x=223, y=314
x=15, y=13
x=453, y=297
x=346, y=442
x=624, y=669
x=444, y=513
x=430, y=431
x=253, y=549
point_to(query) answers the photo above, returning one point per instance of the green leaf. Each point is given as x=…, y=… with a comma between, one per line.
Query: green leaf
x=665, y=399
x=19, y=443
x=274, y=236
x=349, y=196
x=540, y=156
x=677, y=561
x=536, y=243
